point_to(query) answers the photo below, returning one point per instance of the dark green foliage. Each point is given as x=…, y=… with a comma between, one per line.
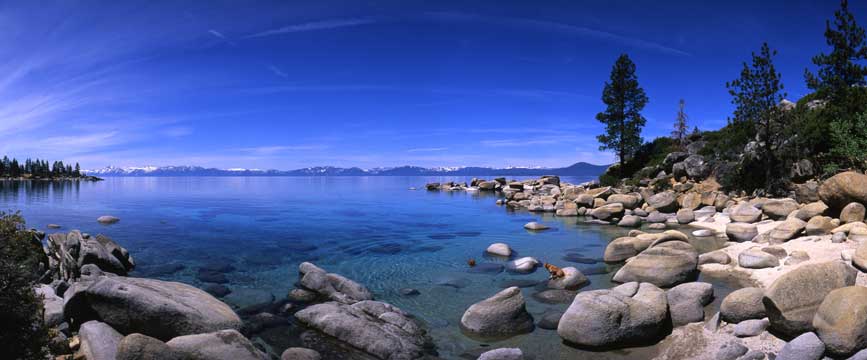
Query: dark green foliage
x=834, y=130
x=624, y=100
x=649, y=154
x=37, y=169
x=756, y=95
x=23, y=334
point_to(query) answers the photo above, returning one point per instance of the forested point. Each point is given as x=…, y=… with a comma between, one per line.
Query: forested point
x=40, y=169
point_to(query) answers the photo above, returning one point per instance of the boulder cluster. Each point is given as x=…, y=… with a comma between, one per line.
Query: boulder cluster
x=99, y=313
x=802, y=252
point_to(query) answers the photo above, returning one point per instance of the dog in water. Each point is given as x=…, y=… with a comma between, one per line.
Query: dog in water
x=555, y=272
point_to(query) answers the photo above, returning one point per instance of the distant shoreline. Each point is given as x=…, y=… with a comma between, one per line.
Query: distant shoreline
x=78, y=178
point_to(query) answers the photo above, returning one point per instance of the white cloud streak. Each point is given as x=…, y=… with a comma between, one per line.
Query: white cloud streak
x=316, y=26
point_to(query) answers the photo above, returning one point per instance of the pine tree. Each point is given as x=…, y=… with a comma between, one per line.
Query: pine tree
x=77, y=172
x=756, y=95
x=624, y=100
x=839, y=70
x=840, y=82
x=680, y=128
x=15, y=170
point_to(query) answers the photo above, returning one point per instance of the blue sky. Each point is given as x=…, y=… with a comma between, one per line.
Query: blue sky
x=292, y=84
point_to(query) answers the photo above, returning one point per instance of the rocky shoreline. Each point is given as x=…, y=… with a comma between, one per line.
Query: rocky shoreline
x=800, y=261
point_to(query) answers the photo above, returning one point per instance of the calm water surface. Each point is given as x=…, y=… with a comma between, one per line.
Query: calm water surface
x=370, y=229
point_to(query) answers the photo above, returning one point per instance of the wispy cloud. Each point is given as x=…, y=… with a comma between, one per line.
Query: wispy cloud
x=222, y=36
x=317, y=25
x=431, y=149
x=550, y=26
x=277, y=71
x=177, y=131
x=531, y=141
x=273, y=150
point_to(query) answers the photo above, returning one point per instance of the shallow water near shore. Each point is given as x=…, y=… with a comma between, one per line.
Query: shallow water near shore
x=253, y=232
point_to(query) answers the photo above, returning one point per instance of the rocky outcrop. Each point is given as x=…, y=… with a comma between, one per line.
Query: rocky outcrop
x=792, y=300
x=219, y=345
x=331, y=286
x=504, y=314
x=376, y=328
x=156, y=308
x=844, y=188
x=572, y=279
x=666, y=264
x=69, y=252
x=625, y=315
x=841, y=320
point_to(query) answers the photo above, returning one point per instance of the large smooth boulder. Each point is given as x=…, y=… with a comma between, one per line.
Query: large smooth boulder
x=625, y=315
x=99, y=341
x=51, y=304
x=787, y=230
x=779, y=208
x=664, y=265
x=523, y=265
x=626, y=247
x=160, y=309
x=740, y=232
x=629, y=201
x=501, y=315
x=377, y=328
x=502, y=354
x=859, y=258
x=299, y=353
x=535, y=226
x=686, y=302
x=608, y=212
x=332, y=286
x=854, y=212
x=811, y=210
x=755, y=258
x=219, y=345
x=841, y=320
x=805, y=347
x=665, y=201
x=629, y=221
x=792, y=300
x=819, y=225
x=844, y=188
x=743, y=304
x=685, y=216
x=143, y=347
x=745, y=212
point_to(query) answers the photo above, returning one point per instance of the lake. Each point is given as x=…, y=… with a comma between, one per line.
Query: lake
x=371, y=229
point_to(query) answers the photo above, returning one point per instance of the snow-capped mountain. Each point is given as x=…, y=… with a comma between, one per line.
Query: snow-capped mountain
x=578, y=169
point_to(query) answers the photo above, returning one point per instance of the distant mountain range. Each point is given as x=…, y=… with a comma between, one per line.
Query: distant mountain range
x=577, y=169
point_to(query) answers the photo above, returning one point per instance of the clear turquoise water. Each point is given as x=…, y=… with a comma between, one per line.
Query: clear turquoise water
x=371, y=229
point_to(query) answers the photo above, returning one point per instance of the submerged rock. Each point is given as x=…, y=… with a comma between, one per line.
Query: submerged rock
x=143, y=347
x=332, y=286
x=377, y=328
x=219, y=345
x=107, y=219
x=502, y=354
x=503, y=314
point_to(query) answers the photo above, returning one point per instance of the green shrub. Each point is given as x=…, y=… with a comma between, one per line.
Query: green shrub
x=23, y=334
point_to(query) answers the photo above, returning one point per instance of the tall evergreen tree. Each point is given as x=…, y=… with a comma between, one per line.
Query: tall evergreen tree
x=680, y=128
x=624, y=100
x=840, y=82
x=756, y=95
x=77, y=172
